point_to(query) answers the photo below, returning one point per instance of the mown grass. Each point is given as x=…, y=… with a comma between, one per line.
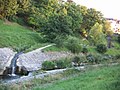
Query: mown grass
x=105, y=78
x=17, y=37
x=55, y=48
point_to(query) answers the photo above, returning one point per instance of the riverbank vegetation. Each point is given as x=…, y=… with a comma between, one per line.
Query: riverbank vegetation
x=31, y=24
x=104, y=77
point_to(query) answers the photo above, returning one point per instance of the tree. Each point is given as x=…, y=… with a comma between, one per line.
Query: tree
x=65, y=21
x=74, y=12
x=41, y=11
x=8, y=8
x=107, y=28
x=90, y=17
x=23, y=5
x=57, y=25
x=96, y=35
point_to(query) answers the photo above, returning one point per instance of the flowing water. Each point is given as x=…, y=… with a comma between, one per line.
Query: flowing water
x=13, y=63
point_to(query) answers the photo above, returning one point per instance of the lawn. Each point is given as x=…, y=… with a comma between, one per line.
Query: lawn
x=104, y=78
x=17, y=37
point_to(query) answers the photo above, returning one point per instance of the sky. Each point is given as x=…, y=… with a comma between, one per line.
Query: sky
x=109, y=8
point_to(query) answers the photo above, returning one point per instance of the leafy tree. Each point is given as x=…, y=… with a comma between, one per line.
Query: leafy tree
x=41, y=11
x=65, y=21
x=8, y=8
x=96, y=35
x=74, y=12
x=90, y=17
x=23, y=5
x=107, y=28
x=57, y=25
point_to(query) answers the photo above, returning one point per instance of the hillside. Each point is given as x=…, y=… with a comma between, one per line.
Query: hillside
x=18, y=37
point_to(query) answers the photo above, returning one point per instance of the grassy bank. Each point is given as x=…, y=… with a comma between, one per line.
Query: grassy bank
x=93, y=78
x=17, y=37
x=105, y=78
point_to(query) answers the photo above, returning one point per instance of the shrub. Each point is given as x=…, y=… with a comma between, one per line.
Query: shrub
x=60, y=64
x=63, y=63
x=60, y=40
x=94, y=58
x=101, y=48
x=73, y=45
x=117, y=56
x=48, y=65
x=90, y=58
x=84, y=50
x=78, y=60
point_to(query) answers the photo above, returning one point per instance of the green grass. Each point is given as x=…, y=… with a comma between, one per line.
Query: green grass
x=17, y=37
x=104, y=78
x=55, y=48
x=113, y=51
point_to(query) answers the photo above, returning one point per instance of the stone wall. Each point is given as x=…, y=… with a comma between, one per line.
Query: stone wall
x=30, y=61
x=33, y=60
x=6, y=55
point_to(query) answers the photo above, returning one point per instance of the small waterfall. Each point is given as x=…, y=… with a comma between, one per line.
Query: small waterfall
x=13, y=63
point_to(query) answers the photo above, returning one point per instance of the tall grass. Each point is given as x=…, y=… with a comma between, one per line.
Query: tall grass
x=105, y=78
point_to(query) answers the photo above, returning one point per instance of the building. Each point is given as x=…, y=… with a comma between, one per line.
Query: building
x=115, y=25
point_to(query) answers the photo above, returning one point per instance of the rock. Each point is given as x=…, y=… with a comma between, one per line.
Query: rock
x=27, y=62
x=33, y=60
x=6, y=55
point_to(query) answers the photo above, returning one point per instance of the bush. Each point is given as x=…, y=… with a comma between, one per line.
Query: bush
x=60, y=41
x=60, y=64
x=84, y=50
x=63, y=63
x=94, y=59
x=101, y=48
x=73, y=44
x=90, y=58
x=78, y=60
x=48, y=65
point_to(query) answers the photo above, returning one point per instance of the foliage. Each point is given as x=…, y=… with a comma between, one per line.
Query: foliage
x=84, y=50
x=101, y=48
x=74, y=12
x=12, y=7
x=76, y=60
x=23, y=6
x=119, y=38
x=96, y=58
x=105, y=78
x=57, y=25
x=96, y=35
x=8, y=8
x=90, y=17
x=79, y=60
x=48, y=65
x=73, y=44
x=107, y=28
x=63, y=63
x=60, y=64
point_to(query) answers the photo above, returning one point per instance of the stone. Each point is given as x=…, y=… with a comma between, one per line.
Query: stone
x=6, y=55
x=27, y=62
x=33, y=60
